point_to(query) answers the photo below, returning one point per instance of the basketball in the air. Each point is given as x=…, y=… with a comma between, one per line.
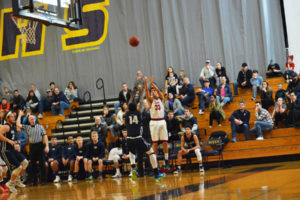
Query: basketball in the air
x=134, y=41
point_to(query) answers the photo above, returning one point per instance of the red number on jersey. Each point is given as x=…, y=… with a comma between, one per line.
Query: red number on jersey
x=157, y=107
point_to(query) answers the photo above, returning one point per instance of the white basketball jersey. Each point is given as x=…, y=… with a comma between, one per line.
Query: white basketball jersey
x=157, y=110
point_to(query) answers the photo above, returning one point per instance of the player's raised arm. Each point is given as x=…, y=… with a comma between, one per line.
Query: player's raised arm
x=161, y=96
x=147, y=91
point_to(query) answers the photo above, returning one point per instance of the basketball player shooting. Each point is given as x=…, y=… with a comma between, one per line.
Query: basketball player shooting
x=158, y=125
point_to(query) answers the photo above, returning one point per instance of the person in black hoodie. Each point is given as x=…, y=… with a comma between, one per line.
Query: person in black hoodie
x=172, y=127
x=18, y=101
x=110, y=121
x=294, y=111
x=32, y=101
x=60, y=102
x=243, y=79
x=220, y=72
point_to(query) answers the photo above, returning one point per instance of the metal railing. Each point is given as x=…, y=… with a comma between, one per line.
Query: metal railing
x=100, y=85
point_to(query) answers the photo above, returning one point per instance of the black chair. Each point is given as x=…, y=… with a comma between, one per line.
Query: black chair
x=217, y=146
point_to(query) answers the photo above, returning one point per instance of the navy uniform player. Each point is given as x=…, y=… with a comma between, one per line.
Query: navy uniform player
x=158, y=125
x=55, y=158
x=135, y=142
x=80, y=157
x=15, y=161
x=68, y=157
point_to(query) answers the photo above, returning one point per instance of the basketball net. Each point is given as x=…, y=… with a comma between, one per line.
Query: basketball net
x=28, y=32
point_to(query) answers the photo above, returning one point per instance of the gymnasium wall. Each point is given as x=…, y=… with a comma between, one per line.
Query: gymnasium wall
x=292, y=14
x=174, y=33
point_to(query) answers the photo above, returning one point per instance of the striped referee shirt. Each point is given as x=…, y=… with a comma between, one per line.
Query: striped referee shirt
x=35, y=133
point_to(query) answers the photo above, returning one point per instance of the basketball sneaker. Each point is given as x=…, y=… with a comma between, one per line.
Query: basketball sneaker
x=100, y=178
x=57, y=179
x=134, y=176
x=117, y=175
x=11, y=187
x=19, y=184
x=70, y=178
x=159, y=176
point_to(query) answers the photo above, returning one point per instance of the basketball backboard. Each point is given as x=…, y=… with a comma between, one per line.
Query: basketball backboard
x=63, y=13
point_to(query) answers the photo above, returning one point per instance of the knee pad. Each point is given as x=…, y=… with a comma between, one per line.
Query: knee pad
x=16, y=171
x=24, y=164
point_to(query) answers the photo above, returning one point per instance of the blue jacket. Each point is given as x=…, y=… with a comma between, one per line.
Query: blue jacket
x=237, y=114
x=22, y=137
x=257, y=81
x=228, y=92
x=189, y=90
x=60, y=97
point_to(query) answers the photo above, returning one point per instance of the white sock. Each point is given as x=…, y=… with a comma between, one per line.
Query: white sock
x=166, y=156
x=153, y=161
x=118, y=171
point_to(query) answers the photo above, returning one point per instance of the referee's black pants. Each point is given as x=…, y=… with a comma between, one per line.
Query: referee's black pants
x=37, y=154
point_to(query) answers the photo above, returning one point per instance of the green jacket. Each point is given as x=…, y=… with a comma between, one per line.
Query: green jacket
x=218, y=108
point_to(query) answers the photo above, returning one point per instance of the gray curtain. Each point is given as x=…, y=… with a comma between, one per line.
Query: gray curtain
x=178, y=33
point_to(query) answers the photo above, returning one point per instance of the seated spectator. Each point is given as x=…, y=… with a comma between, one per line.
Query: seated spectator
x=110, y=122
x=289, y=69
x=146, y=122
x=207, y=73
x=187, y=93
x=240, y=122
x=172, y=127
x=243, y=79
x=124, y=96
x=224, y=93
x=120, y=116
x=279, y=112
x=266, y=95
x=273, y=70
x=18, y=101
x=171, y=81
x=54, y=158
x=60, y=102
x=71, y=92
x=36, y=91
x=95, y=156
x=256, y=82
x=100, y=128
x=204, y=96
x=32, y=101
x=8, y=95
x=280, y=93
x=52, y=86
x=68, y=157
x=173, y=104
x=180, y=81
x=80, y=157
x=219, y=73
x=216, y=111
x=5, y=106
x=293, y=86
x=263, y=121
x=294, y=111
x=193, y=146
x=189, y=120
x=46, y=103
x=139, y=79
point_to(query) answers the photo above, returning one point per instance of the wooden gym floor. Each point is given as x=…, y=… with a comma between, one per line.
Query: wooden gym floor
x=275, y=181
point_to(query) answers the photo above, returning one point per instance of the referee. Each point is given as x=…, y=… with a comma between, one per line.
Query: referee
x=38, y=140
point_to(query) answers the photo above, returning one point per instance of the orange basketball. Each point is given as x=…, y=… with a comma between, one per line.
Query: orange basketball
x=134, y=41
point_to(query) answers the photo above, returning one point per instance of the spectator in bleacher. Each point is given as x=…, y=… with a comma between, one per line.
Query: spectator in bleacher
x=54, y=158
x=280, y=93
x=146, y=122
x=95, y=156
x=224, y=93
x=110, y=122
x=207, y=73
x=171, y=81
x=71, y=92
x=273, y=70
x=18, y=101
x=243, y=79
x=294, y=111
x=204, y=96
x=189, y=120
x=32, y=101
x=46, y=103
x=220, y=72
x=173, y=127
x=120, y=116
x=294, y=85
x=289, y=69
x=139, y=79
x=5, y=106
x=173, y=104
x=100, y=128
x=192, y=146
x=187, y=92
x=36, y=91
x=60, y=102
x=80, y=157
x=279, y=112
x=216, y=111
x=180, y=81
x=124, y=96
x=263, y=121
x=8, y=95
x=68, y=157
x=240, y=122
x=52, y=86
x=266, y=95
x=256, y=82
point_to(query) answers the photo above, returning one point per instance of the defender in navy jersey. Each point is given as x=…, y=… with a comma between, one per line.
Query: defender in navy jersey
x=54, y=158
x=15, y=161
x=68, y=157
x=135, y=142
x=80, y=157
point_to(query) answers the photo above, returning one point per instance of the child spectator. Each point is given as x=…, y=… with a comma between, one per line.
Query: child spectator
x=5, y=106
x=171, y=81
x=180, y=81
x=216, y=111
x=71, y=92
x=289, y=69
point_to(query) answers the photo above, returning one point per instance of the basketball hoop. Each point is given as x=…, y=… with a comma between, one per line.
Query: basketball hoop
x=28, y=32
